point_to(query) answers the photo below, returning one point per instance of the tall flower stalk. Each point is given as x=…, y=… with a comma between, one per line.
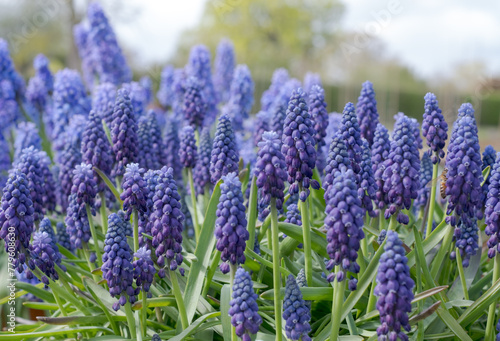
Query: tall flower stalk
x=188, y=155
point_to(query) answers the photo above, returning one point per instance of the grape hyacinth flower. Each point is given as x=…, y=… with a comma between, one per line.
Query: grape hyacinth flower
x=194, y=106
x=45, y=255
x=5, y=163
x=188, y=153
x=123, y=133
x=8, y=74
x=144, y=269
x=278, y=116
x=344, y=221
x=16, y=217
x=167, y=218
x=262, y=120
x=165, y=94
x=178, y=87
x=398, y=178
x=295, y=312
x=338, y=160
x=145, y=223
x=103, y=101
x=37, y=94
x=134, y=193
x=117, y=268
x=489, y=156
x=366, y=111
x=201, y=171
x=241, y=96
x=110, y=62
x=311, y=79
x=230, y=226
x=334, y=122
x=352, y=136
x=68, y=159
x=77, y=224
x=425, y=177
x=171, y=143
x=434, y=128
x=394, y=290
x=492, y=210
x=243, y=306
x=367, y=186
x=464, y=177
x=147, y=84
x=279, y=78
x=302, y=282
x=465, y=109
x=224, y=68
x=26, y=136
x=84, y=186
x=224, y=158
x=293, y=215
x=466, y=236
x=319, y=115
x=62, y=236
x=298, y=146
x=81, y=38
x=381, y=237
x=381, y=146
x=151, y=153
x=42, y=71
x=138, y=98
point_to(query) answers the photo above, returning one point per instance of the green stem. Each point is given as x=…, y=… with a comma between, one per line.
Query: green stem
x=136, y=231
x=461, y=273
x=43, y=135
x=193, y=202
x=178, y=298
x=232, y=274
x=59, y=303
x=104, y=216
x=87, y=257
x=304, y=211
x=252, y=214
x=130, y=319
x=443, y=250
x=94, y=234
x=211, y=272
x=372, y=299
x=144, y=313
x=338, y=302
x=490, y=326
x=392, y=223
x=420, y=304
x=276, y=269
x=432, y=203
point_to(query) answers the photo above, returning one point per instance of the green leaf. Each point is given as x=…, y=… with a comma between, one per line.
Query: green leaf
x=32, y=289
x=110, y=185
x=478, y=308
x=318, y=242
x=203, y=251
x=69, y=320
x=453, y=324
x=429, y=293
x=486, y=174
x=224, y=310
x=41, y=305
x=103, y=296
x=7, y=336
x=426, y=313
x=194, y=326
x=252, y=214
x=309, y=294
x=156, y=302
x=430, y=242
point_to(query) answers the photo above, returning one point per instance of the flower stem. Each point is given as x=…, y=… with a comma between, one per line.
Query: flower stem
x=490, y=326
x=432, y=202
x=392, y=223
x=232, y=274
x=304, y=211
x=144, y=314
x=104, y=217
x=130, y=319
x=372, y=299
x=193, y=201
x=136, y=231
x=45, y=141
x=276, y=269
x=94, y=234
x=211, y=272
x=85, y=247
x=338, y=302
x=420, y=304
x=178, y=298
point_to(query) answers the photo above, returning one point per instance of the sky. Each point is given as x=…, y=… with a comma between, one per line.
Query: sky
x=431, y=37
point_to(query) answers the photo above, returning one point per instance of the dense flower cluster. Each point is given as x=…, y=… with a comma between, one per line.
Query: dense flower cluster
x=138, y=97
x=167, y=218
x=144, y=269
x=366, y=111
x=81, y=38
x=261, y=125
x=17, y=211
x=278, y=116
x=44, y=255
x=5, y=163
x=67, y=160
x=224, y=158
x=201, y=171
x=171, y=144
x=117, y=268
x=298, y=145
x=11, y=87
x=425, y=177
x=123, y=133
x=489, y=157
x=165, y=94
x=279, y=78
x=135, y=191
x=351, y=134
x=466, y=236
x=151, y=153
x=62, y=236
x=243, y=309
x=295, y=312
x=319, y=115
x=224, y=68
x=344, y=221
x=103, y=101
x=310, y=80
x=77, y=224
x=337, y=160
x=188, y=153
x=231, y=223
x=84, y=186
x=434, y=128
x=394, y=290
x=37, y=94
x=381, y=146
x=398, y=176
x=293, y=215
x=26, y=136
x=492, y=210
x=240, y=96
x=42, y=71
x=194, y=107
x=367, y=186
x=145, y=223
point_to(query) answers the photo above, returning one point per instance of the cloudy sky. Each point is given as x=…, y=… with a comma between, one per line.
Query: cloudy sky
x=431, y=37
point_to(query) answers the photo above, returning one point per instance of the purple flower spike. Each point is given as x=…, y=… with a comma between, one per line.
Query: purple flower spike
x=231, y=223
x=464, y=177
x=293, y=215
x=352, y=136
x=135, y=191
x=96, y=150
x=77, y=224
x=81, y=38
x=425, y=177
x=26, y=136
x=224, y=158
x=188, y=153
x=311, y=79
x=244, y=310
x=151, y=152
x=84, y=186
x=489, y=156
x=62, y=236
x=16, y=210
x=366, y=111
x=123, y=133
x=466, y=235
x=44, y=255
x=492, y=210
x=434, y=128
x=144, y=269
x=394, y=290
x=278, y=116
x=145, y=223
x=42, y=71
x=279, y=78
x=367, y=186
x=465, y=109
x=298, y=145
x=224, y=68
x=270, y=171
x=117, y=268
x=167, y=218
x=262, y=122
x=68, y=159
x=344, y=221
x=194, y=107
x=241, y=96
x=381, y=146
x=398, y=176
x=5, y=164
x=165, y=94
x=295, y=312
x=37, y=94
x=319, y=115
x=110, y=62
x=338, y=160
x=138, y=98
x=201, y=172
x=103, y=101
